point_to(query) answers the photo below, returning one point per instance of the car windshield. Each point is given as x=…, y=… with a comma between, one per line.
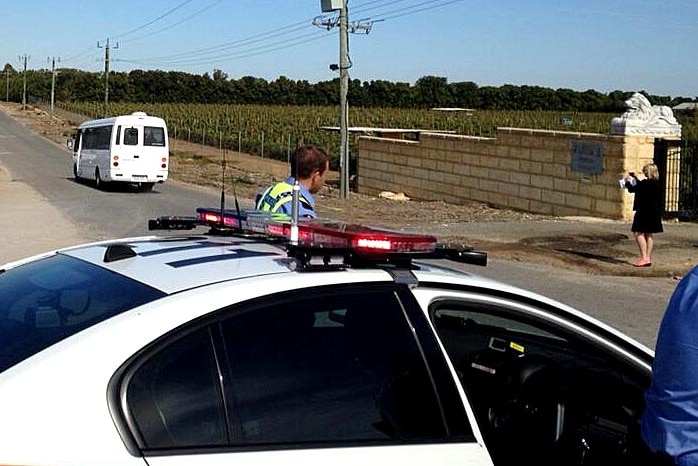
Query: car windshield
x=48, y=300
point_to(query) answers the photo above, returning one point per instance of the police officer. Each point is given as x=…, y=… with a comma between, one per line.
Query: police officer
x=309, y=166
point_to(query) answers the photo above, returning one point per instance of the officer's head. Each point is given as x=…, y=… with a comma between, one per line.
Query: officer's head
x=310, y=164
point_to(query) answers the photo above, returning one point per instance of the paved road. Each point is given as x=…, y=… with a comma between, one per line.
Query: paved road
x=42, y=209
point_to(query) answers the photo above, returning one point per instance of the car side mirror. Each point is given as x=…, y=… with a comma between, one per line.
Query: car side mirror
x=70, y=143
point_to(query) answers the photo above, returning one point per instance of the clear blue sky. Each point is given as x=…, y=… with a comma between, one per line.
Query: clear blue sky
x=603, y=45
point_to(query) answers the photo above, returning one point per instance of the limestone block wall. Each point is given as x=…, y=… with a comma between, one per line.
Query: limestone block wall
x=523, y=169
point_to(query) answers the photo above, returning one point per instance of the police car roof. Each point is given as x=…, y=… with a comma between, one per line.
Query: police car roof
x=173, y=264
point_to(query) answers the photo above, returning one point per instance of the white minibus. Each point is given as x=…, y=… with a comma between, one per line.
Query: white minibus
x=130, y=149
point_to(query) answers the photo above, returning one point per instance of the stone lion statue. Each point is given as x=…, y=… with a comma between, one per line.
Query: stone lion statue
x=639, y=108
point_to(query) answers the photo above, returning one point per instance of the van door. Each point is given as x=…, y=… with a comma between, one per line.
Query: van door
x=156, y=152
x=128, y=152
x=77, y=143
x=141, y=152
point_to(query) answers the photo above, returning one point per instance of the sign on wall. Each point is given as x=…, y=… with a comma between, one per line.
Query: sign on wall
x=587, y=157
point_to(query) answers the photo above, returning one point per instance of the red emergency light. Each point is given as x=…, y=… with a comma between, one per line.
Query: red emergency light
x=323, y=234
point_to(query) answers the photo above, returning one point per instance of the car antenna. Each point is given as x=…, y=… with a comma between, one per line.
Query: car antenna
x=223, y=161
x=237, y=206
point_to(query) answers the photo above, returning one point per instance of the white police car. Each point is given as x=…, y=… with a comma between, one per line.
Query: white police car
x=339, y=347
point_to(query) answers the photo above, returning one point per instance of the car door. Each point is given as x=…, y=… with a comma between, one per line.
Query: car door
x=333, y=375
x=547, y=386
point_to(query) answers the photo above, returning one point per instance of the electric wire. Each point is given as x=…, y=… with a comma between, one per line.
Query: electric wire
x=236, y=43
x=264, y=42
x=414, y=9
x=246, y=53
x=166, y=28
x=162, y=16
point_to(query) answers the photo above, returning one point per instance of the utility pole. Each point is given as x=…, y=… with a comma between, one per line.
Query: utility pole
x=24, y=58
x=53, y=84
x=344, y=65
x=7, y=85
x=106, y=75
x=343, y=104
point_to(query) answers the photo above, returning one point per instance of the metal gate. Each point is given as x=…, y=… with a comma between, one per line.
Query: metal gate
x=677, y=162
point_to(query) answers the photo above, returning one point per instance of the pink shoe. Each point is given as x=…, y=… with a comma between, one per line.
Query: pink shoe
x=642, y=263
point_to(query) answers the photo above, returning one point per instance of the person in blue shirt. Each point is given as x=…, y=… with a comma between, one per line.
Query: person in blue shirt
x=670, y=420
x=309, y=166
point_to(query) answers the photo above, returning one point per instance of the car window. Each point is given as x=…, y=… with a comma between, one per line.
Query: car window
x=45, y=301
x=329, y=369
x=340, y=368
x=175, y=396
x=539, y=390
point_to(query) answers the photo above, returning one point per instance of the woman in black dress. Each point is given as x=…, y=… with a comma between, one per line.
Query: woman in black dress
x=648, y=211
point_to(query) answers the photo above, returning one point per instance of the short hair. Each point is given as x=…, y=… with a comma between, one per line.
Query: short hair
x=306, y=159
x=650, y=170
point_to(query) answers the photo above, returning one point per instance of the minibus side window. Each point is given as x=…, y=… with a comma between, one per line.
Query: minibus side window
x=103, y=134
x=131, y=136
x=90, y=139
x=118, y=135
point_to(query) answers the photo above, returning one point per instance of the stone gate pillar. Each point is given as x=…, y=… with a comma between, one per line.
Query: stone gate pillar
x=641, y=124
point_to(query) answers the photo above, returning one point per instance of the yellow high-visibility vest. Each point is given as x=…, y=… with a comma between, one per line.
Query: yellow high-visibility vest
x=277, y=195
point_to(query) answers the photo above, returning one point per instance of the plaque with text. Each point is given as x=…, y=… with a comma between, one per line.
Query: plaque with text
x=587, y=157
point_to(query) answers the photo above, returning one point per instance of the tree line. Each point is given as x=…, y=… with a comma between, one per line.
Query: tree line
x=73, y=85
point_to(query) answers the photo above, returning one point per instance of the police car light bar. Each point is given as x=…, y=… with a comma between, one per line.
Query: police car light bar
x=323, y=234
x=324, y=238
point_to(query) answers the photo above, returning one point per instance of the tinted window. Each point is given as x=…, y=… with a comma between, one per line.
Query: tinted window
x=118, y=136
x=331, y=369
x=339, y=369
x=131, y=137
x=153, y=136
x=45, y=301
x=97, y=138
x=175, y=396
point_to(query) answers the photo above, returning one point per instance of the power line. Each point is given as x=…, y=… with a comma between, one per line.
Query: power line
x=254, y=45
x=430, y=5
x=236, y=43
x=196, y=13
x=250, y=52
x=164, y=15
